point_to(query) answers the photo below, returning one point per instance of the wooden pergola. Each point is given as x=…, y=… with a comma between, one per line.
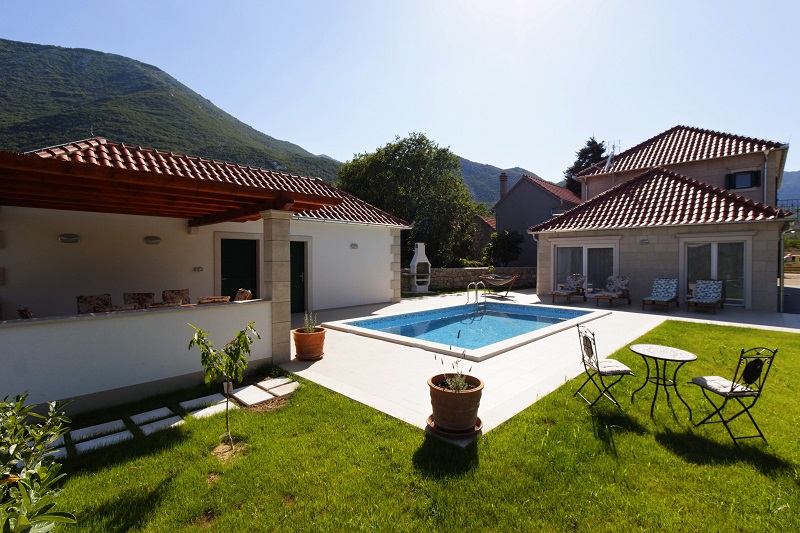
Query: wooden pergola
x=34, y=182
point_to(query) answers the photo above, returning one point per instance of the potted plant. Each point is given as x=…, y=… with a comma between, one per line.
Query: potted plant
x=455, y=398
x=309, y=341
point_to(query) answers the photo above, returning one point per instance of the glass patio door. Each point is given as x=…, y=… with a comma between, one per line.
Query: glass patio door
x=718, y=260
x=595, y=262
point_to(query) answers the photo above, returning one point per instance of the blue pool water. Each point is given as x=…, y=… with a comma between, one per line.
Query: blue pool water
x=469, y=326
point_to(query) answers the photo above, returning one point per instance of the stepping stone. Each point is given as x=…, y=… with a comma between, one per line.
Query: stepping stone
x=155, y=414
x=251, y=395
x=213, y=409
x=101, y=442
x=283, y=390
x=268, y=384
x=158, y=425
x=202, y=402
x=100, y=429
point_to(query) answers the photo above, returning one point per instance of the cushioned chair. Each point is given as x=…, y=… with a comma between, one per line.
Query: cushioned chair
x=664, y=292
x=176, y=295
x=213, y=300
x=616, y=288
x=243, y=295
x=103, y=309
x=572, y=286
x=23, y=311
x=707, y=293
x=598, y=370
x=140, y=299
x=87, y=304
x=744, y=389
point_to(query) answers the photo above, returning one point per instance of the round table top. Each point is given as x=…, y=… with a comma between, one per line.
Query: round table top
x=666, y=353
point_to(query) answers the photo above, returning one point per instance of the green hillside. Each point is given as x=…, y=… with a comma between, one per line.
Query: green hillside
x=53, y=95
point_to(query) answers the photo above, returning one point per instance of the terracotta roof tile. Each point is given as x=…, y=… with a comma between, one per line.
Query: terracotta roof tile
x=659, y=197
x=490, y=221
x=556, y=190
x=681, y=144
x=102, y=152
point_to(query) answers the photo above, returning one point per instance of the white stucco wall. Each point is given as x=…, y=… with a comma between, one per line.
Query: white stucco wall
x=60, y=358
x=340, y=276
x=38, y=271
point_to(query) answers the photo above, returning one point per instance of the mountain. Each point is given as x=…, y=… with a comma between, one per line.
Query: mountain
x=53, y=95
x=790, y=186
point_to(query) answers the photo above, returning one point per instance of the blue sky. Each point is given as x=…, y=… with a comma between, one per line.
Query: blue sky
x=504, y=82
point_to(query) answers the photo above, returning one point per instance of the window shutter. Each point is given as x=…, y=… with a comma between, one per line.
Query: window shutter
x=729, y=181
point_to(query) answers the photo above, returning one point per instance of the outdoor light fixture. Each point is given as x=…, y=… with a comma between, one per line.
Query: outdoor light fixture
x=644, y=241
x=69, y=238
x=354, y=246
x=152, y=239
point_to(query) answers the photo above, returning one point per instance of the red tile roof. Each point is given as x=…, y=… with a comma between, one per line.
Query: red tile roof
x=490, y=221
x=659, y=197
x=681, y=144
x=105, y=153
x=556, y=190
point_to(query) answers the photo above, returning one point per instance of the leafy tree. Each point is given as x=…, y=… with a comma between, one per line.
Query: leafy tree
x=28, y=473
x=503, y=247
x=416, y=180
x=593, y=152
x=228, y=363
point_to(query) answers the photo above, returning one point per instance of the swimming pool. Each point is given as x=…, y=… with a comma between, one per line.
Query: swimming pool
x=479, y=331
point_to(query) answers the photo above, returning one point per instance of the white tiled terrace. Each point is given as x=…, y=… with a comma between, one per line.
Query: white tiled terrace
x=393, y=378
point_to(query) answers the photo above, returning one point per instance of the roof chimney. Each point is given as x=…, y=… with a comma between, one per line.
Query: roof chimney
x=503, y=184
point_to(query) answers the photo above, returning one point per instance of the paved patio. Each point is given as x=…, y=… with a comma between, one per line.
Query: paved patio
x=393, y=378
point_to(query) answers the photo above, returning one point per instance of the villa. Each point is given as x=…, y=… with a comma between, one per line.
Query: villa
x=97, y=217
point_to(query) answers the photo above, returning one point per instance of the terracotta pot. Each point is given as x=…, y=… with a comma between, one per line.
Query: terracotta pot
x=309, y=346
x=455, y=412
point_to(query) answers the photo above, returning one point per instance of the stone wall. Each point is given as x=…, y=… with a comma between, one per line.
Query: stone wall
x=459, y=278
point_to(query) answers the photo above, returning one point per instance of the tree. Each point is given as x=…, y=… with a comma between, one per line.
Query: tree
x=503, y=247
x=416, y=180
x=228, y=363
x=592, y=153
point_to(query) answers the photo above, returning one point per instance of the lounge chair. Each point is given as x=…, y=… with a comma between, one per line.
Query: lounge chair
x=213, y=300
x=663, y=292
x=572, y=286
x=616, y=288
x=87, y=304
x=243, y=295
x=176, y=295
x=707, y=293
x=140, y=299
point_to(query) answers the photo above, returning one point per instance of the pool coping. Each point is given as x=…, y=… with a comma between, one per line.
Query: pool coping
x=477, y=354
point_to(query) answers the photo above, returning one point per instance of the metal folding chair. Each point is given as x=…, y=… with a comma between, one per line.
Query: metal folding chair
x=745, y=388
x=597, y=370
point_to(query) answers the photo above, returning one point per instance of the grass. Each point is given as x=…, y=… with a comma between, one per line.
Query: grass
x=325, y=463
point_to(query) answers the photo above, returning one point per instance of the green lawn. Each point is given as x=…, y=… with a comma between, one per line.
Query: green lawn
x=326, y=463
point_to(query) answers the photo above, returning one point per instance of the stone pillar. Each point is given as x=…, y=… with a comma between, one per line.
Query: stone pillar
x=396, y=278
x=277, y=281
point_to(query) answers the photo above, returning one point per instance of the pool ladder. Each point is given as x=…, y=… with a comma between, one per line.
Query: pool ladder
x=477, y=284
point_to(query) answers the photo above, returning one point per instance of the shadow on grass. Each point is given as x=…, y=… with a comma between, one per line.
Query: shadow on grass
x=605, y=424
x=131, y=509
x=438, y=459
x=703, y=451
x=125, y=452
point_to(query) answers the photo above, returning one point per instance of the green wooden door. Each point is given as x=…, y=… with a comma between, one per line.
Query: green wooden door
x=297, y=256
x=239, y=266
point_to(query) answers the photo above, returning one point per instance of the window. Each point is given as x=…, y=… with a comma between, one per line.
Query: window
x=749, y=179
x=596, y=260
x=726, y=258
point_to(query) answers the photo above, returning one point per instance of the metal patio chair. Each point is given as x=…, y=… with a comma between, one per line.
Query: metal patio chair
x=597, y=370
x=745, y=388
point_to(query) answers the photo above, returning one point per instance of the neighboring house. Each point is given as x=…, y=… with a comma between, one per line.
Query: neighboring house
x=664, y=224
x=750, y=167
x=530, y=201
x=298, y=243
x=484, y=227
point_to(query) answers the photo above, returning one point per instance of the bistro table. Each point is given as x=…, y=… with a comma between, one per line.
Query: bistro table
x=662, y=354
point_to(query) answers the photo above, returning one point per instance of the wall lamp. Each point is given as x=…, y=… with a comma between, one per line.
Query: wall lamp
x=354, y=246
x=152, y=239
x=69, y=238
